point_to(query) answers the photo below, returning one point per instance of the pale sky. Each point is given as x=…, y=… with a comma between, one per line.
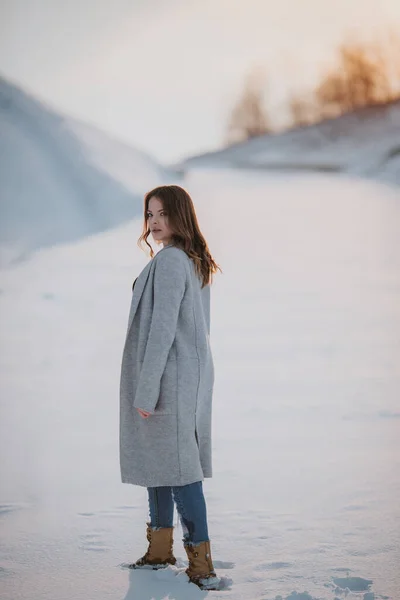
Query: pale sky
x=164, y=74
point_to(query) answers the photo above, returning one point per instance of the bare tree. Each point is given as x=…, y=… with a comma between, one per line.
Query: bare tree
x=389, y=49
x=302, y=110
x=249, y=116
x=362, y=77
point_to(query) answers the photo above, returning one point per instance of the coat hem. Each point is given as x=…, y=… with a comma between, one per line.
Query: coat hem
x=153, y=484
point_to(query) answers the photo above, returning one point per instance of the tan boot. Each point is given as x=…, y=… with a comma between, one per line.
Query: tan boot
x=159, y=553
x=201, y=570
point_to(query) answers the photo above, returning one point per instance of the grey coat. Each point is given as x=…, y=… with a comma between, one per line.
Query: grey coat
x=168, y=370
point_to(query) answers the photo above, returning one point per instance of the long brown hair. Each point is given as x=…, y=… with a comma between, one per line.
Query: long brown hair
x=183, y=222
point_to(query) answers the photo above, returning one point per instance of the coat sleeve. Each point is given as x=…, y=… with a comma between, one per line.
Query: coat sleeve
x=169, y=281
x=205, y=297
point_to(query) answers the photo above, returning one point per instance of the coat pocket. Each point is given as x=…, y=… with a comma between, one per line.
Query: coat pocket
x=168, y=397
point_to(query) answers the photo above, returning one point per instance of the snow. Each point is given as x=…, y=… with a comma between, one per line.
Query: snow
x=305, y=327
x=62, y=180
x=364, y=143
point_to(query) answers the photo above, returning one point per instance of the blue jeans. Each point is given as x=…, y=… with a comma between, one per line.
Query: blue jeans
x=191, y=507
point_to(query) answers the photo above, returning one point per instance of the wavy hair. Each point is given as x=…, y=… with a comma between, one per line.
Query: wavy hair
x=182, y=221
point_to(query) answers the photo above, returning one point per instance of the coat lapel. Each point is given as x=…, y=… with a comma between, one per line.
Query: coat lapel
x=139, y=287
x=138, y=291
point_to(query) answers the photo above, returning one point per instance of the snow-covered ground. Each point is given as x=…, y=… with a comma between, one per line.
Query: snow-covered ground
x=305, y=331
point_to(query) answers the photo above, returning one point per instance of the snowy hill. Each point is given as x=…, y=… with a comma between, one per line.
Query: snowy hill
x=61, y=179
x=364, y=143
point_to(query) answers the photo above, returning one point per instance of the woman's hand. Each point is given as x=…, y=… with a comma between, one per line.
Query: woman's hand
x=143, y=413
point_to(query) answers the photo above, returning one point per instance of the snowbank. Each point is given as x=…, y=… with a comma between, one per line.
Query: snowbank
x=365, y=143
x=62, y=180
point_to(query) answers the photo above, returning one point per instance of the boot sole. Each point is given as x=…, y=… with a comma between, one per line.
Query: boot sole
x=213, y=583
x=149, y=567
x=209, y=586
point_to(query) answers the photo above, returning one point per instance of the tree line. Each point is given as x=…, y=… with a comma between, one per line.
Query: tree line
x=363, y=74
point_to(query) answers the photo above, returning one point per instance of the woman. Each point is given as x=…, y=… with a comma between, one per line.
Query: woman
x=167, y=379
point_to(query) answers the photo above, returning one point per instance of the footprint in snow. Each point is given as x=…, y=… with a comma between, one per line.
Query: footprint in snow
x=92, y=542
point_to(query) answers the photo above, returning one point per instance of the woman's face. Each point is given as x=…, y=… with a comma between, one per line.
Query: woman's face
x=157, y=219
